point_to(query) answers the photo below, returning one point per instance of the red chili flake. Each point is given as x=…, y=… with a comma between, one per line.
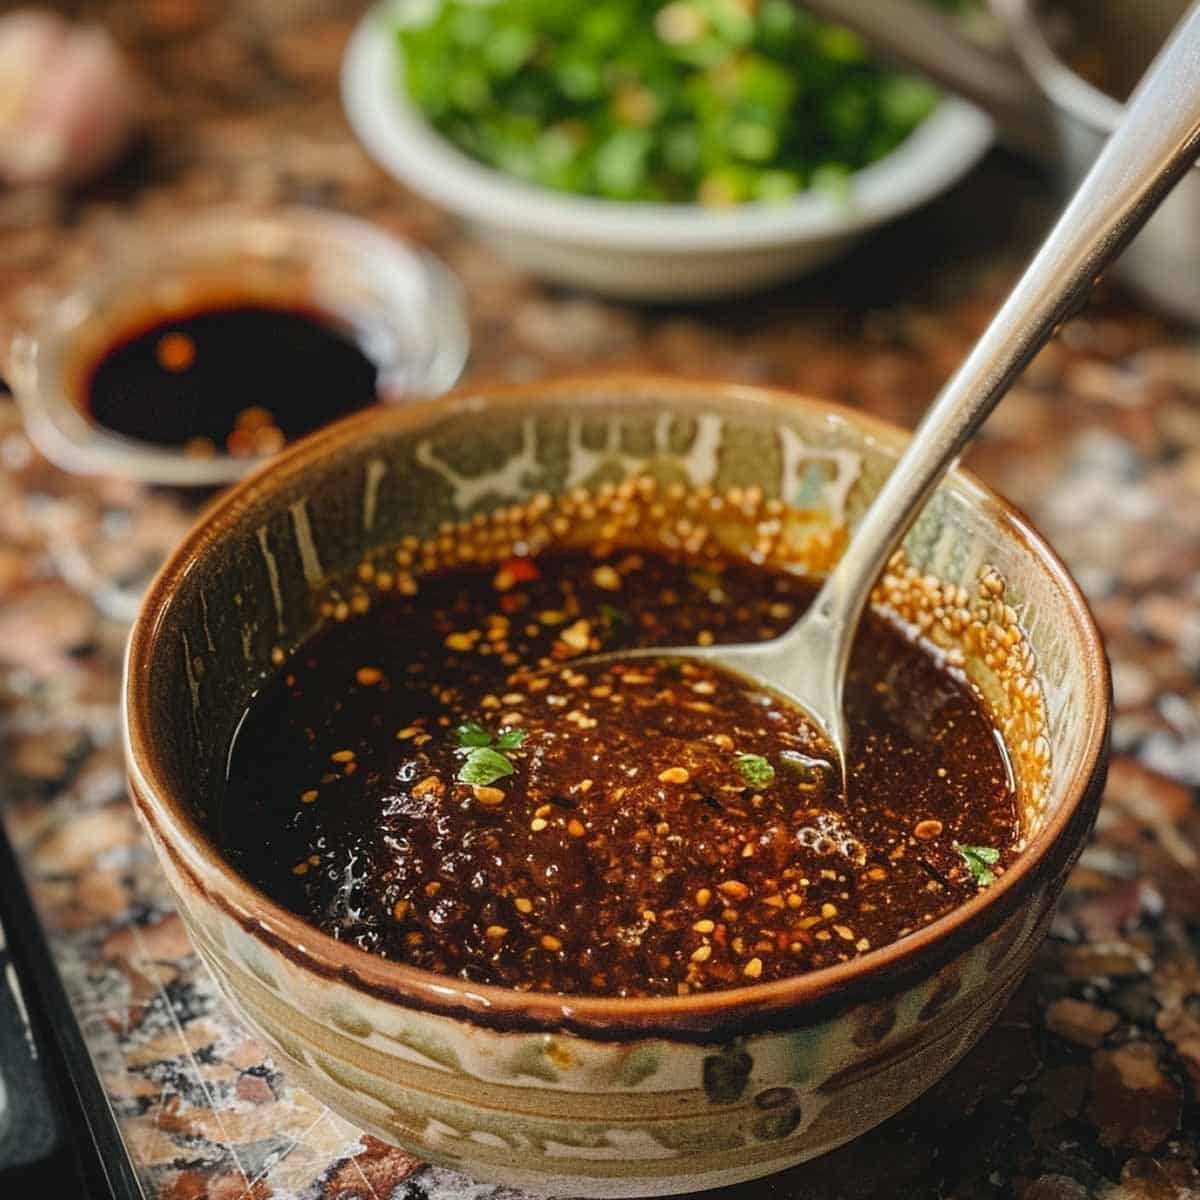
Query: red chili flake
x=522, y=569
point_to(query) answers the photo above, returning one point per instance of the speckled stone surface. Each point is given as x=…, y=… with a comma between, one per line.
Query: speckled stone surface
x=1090, y=1084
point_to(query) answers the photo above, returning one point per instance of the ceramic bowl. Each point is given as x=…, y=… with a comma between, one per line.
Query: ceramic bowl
x=644, y=251
x=404, y=306
x=592, y=1096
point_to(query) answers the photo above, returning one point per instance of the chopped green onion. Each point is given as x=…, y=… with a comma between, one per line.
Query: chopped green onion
x=708, y=101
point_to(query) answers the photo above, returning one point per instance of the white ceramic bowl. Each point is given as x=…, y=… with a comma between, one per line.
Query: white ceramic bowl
x=639, y=250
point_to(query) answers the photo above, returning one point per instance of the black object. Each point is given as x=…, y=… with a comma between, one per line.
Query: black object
x=30, y=1129
x=57, y=1129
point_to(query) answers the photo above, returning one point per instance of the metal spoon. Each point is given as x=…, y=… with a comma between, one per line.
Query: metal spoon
x=1151, y=149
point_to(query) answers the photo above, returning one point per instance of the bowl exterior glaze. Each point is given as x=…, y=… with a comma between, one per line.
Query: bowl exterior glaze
x=588, y=1097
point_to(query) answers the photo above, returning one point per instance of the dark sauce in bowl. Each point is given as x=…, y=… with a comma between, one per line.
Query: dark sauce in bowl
x=432, y=780
x=242, y=379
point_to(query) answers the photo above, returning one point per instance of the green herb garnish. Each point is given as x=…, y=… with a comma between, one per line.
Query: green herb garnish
x=483, y=762
x=980, y=860
x=482, y=766
x=705, y=101
x=471, y=734
x=755, y=769
x=611, y=616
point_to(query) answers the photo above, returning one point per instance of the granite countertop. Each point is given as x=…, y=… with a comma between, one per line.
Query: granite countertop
x=1089, y=1086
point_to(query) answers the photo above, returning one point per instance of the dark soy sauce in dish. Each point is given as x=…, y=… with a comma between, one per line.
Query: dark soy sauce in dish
x=432, y=780
x=242, y=379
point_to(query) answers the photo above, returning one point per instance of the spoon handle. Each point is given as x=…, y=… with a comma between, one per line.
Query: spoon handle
x=1154, y=145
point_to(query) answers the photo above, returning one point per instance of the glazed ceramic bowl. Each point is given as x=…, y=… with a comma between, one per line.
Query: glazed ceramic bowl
x=637, y=250
x=403, y=305
x=592, y=1096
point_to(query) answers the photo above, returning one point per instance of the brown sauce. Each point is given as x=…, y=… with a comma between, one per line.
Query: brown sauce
x=241, y=379
x=432, y=780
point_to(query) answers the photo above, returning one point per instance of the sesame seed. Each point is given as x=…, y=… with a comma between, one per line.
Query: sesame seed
x=550, y=942
x=400, y=909
x=368, y=676
x=734, y=889
x=489, y=797
x=309, y=796
x=538, y=824
x=704, y=926
x=674, y=775
x=576, y=828
x=342, y=756
x=496, y=932
x=703, y=898
x=753, y=969
x=523, y=905
x=702, y=953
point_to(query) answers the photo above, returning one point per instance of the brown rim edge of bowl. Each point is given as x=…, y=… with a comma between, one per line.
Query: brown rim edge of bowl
x=796, y=1001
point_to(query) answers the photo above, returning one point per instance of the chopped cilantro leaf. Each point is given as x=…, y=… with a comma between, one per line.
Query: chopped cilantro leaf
x=510, y=739
x=612, y=615
x=471, y=734
x=755, y=769
x=483, y=766
x=980, y=860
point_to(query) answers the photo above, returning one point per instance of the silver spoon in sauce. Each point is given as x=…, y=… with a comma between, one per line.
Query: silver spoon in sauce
x=1156, y=142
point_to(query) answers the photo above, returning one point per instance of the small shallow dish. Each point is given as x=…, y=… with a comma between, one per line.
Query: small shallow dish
x=644, y=251
x=404, y=306
x=593, y=1096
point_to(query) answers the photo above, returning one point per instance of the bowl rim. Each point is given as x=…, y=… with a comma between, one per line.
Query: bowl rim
x=786, y=1003
x=933, y=157
x=1069, y=91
